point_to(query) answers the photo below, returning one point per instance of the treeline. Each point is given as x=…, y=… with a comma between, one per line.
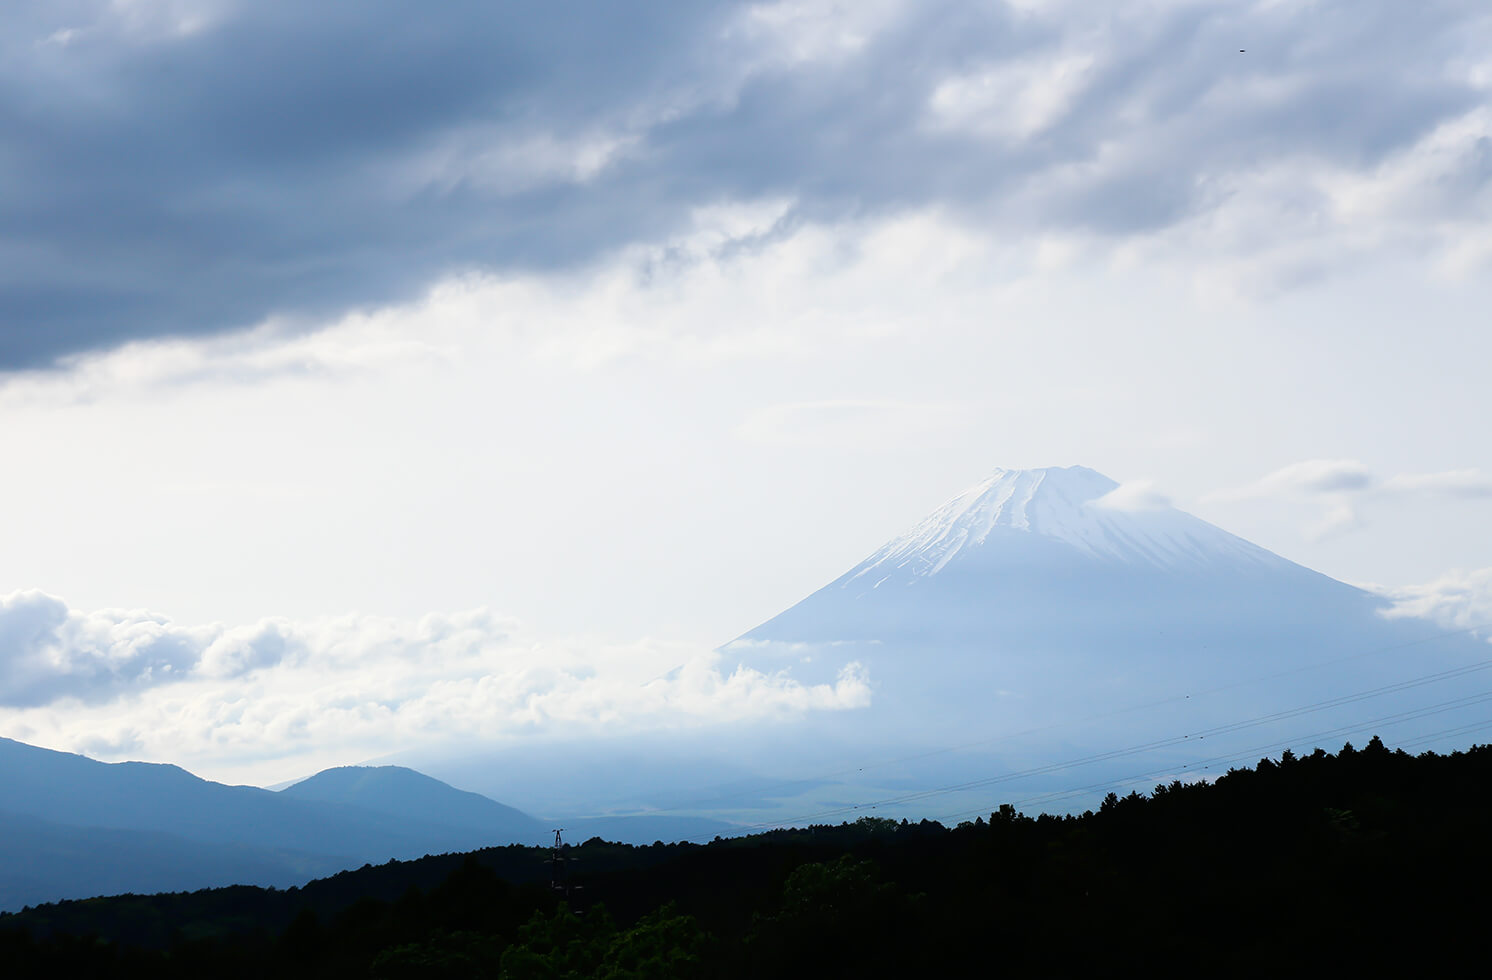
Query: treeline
x=1365, y=859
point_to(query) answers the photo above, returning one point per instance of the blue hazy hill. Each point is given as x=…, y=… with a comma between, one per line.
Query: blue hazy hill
x=406, y=793
x=412, y=796
x=76, y=791
x=74, y=827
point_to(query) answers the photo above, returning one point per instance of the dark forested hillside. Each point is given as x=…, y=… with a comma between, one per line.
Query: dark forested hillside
x=1365, y=859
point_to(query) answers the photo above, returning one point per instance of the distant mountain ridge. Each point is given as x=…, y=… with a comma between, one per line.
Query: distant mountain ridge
x=74, y=823
x=72, y=827
x=409, y=795
x=403, y=792
x=73, y=790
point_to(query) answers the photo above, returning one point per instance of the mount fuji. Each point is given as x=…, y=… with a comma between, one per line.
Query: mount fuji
x=1046, y=614
x=1043, y=635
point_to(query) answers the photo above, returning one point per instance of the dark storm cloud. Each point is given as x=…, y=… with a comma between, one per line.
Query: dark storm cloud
x=293, y=159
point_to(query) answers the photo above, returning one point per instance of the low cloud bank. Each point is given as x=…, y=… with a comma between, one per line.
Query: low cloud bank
x=128, y=682
x=50, y=652
x=1460, y=599
x=1133, y=497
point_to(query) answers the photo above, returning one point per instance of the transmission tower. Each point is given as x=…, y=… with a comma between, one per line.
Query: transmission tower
x=559, y=877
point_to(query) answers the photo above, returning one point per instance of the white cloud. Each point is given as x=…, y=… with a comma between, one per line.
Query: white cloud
x=1339, y=517
x=744, y=282
x=48, y=651
x=501, y=162
x=1342, y=476
x=61, y=37
x=1307, y=476
x=1012, y=101
x=359, y=343
x=793, y=32
x=1457, y=600
x=152, y=20
x=1301, y=216
x=1136, y=495
x=1333, y=482
x=117, y=683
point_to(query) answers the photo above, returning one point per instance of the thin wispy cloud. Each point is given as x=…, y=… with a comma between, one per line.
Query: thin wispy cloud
x=1307, y=476
x=1341, y=486
x=1349, y=476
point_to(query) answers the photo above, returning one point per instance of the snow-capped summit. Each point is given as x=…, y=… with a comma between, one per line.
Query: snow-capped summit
x=1072, y=505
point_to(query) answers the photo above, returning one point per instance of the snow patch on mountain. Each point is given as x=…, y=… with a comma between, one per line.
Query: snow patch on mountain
x=1061, y=504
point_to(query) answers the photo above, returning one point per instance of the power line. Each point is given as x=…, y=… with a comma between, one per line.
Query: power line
x=1243, y=755
x=1174, y=740
x=1383, y=721
x=1131, y=750
x=1463, y=730
x=1173, y=699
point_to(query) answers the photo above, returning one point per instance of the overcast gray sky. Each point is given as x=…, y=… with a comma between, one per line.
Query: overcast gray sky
x=628, y=325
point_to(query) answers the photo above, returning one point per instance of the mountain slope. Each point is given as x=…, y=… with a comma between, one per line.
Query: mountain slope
x=413, y=796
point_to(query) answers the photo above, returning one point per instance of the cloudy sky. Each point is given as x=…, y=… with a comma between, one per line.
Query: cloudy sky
x=372, y=371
